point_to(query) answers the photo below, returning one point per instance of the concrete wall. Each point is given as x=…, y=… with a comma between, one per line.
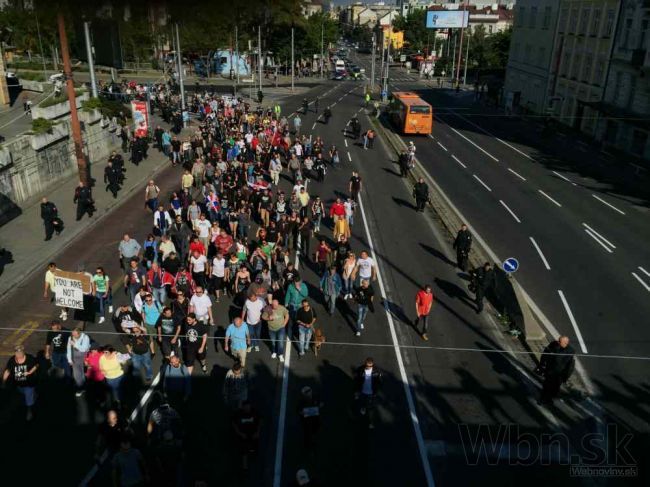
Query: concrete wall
x=36, y=163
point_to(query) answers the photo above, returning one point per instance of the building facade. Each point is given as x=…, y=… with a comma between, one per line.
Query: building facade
x=623, y=112
x=580, y=61
x=529, y=60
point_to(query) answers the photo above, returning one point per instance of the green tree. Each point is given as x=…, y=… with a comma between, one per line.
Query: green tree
x=416, y=34
x=498, y=46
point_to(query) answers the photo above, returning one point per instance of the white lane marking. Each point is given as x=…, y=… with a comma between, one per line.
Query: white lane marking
x=563, y=177
x=398, y=353
x=541, y=254
x=644, y=271
x=517, y=174
x=510, y=211
x=431, y=137
x=443, y=147
x=458, y=161
x=279, y=442
x=600, y=242
x=397, y=88
x=583, y=347
x=346, y=142
x=293, y=114
x=474, y=144
x=594, y=231
x=608, y=204
x=313, y=126
x=143, y=401
x=333, y=104
x=512, y=147
x=479, y=180
x=348, y=123
x=349, y=157
x=551, y=199
x=646, y=286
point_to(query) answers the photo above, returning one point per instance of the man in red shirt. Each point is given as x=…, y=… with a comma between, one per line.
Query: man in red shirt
x=224, y=242
x=423, y=303
x=337, y=209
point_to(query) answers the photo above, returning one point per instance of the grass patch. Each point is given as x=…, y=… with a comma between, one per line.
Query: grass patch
x=59, y=99
x=31, y=76
x=108, y=108
x=42, y=126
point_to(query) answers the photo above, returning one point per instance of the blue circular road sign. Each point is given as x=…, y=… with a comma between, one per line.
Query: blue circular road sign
x=510, y=265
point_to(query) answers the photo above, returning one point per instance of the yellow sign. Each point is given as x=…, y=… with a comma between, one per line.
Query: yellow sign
x=396, y=38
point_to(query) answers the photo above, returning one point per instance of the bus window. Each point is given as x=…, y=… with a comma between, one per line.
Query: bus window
x=420, y=109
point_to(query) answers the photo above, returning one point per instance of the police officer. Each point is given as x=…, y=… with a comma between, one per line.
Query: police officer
x=403, y=162
x=463, y=244
x=118, y=163
x=84, y=199
x=484, y=279
x=327, y=114
x=421, y=194
x=557, y=365
x=49, y=213
x=112, y=178
x=305, y=105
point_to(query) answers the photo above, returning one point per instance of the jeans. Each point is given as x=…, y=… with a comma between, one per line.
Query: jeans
x=133, y=292
x=277, y=340
x=243, y=230
x=60, y=361
x=115, y=385
x=255, y=333
x=159, y=294
x=78, y=368
x=317, y=221
x=142, y=362
x=424, y=320
x=102, y=302
x=304, y=337
x=330, y=300
x=29, y=395
x=347, y=285
x=362, y=312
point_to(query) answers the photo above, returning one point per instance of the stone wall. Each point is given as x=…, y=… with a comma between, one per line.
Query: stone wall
x=32, y=164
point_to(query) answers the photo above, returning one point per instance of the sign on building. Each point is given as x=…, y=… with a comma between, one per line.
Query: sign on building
x=447, y=19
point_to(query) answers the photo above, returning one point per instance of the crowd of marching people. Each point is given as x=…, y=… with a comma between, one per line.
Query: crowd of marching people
x=233, y=229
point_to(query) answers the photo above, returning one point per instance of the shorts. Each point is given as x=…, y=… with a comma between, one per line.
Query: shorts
x=190, y=354
x=151, y=329
x=218, y=283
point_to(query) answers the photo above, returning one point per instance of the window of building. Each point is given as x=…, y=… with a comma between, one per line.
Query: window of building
x=546, y=22
x=626, y=34
x=573, y=20
x=584, y=21
x=541, y=56
x=515, y=51
x=490, y=29
x=532, y=17
x=527, y=53
x=521, y=18
x=643, y=37
x=577, y=60
x=566, y=61
x=639, y=142
x=564, y=17
x=586, y=68
x=595, y=22
x=609, y=23
x=599, y=71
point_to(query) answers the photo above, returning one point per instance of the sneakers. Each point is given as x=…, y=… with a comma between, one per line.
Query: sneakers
x=282, y=358
x=358, y=333
x=361, y=326
x=63, y=315
x=30, y=415
x=79, y=393
x=257, y=349
x=249, y=349
x=101, y=320
x=425, y=337
x=110, y=309
x=301, y=353
x=204, y=368
x=274, y=355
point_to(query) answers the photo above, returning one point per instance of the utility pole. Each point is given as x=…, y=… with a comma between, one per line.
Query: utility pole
x=453, y=62
x=40, y=45
x=237, y=53
x=82, y=167
x=383, y=53
x=180, y=74
x=322, y=36
x=259, y=52
x=372, y=70
x=390, y=41
x=460, y=48
x=91, y=62
x=293, y=64
x=466, y=61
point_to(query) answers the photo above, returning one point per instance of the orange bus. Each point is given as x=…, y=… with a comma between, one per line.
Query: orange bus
x=410, y=113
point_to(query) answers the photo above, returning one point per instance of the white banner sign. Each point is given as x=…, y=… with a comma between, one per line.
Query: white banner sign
x=69, y=293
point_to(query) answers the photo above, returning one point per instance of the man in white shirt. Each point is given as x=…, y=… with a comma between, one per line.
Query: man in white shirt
x=365, y=268
x=202, y=228
x=198, y=265
x=252, y=314
x=201, y=306
x=166, y=247
x=217, y=274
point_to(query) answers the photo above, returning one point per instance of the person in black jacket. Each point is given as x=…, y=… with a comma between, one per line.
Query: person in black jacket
x=368, y=380
x=327, y=114
x=421, y=194
x=84, y=199
x=463, y=244
x=557, y=364
x=112, y=177
x=118, y=163
x=403, y=162
x=49, y=214
x=483, y=279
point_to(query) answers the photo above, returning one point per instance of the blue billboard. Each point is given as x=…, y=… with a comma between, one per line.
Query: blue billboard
x=447, y=19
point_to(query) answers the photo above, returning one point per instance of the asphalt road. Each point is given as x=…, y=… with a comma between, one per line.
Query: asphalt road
x=574, y=218
x=458, y=394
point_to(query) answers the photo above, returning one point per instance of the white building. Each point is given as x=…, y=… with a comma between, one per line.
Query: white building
x=531, y=49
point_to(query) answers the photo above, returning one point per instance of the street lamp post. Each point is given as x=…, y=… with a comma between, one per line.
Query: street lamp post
x=372, y=70
x=179, y=57
x=293, y=65
x=322, y=38
x=466, y=61
x=91, y=63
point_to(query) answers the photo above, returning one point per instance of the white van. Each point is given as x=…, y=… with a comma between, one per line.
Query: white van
x=339, y=65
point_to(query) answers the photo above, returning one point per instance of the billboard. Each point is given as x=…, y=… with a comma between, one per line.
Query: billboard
x=447, y=19
x=140, y=114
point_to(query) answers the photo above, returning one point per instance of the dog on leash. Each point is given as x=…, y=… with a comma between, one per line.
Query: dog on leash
x=319, y=339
